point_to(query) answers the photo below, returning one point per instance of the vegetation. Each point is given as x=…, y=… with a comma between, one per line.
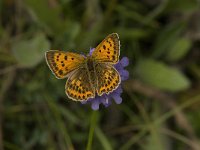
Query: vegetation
x=161, y=98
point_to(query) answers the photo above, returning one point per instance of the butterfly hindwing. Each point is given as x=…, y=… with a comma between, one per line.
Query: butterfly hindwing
x=79, y=86
x=108, y=78
x=108, y=50
x=62, y=63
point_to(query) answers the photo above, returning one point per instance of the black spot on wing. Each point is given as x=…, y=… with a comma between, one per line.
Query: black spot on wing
x=113, y=57
x=60, y=72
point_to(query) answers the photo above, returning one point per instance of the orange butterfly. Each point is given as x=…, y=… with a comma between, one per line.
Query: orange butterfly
x=88, y=75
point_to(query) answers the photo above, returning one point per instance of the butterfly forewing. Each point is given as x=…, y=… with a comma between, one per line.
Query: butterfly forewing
x=79, y=86
x=108, y=78
x=108, y=50
x=62, y=63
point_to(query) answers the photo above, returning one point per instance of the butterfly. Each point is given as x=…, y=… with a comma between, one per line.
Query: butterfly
x=88, y=75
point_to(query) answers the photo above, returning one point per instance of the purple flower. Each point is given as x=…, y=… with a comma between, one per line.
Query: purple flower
x=106, y=99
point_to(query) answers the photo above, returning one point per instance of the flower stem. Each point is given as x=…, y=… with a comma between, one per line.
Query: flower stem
x=93, y=121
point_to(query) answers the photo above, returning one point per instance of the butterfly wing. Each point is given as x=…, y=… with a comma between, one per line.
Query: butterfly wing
x=62, y=63
x=79, y=86
x=108, y=50
x=108, y=78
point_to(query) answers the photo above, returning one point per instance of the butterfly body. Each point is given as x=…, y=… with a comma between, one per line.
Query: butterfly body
x=88, y=75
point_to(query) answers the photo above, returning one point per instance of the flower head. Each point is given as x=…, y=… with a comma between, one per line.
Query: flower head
x=106, y=99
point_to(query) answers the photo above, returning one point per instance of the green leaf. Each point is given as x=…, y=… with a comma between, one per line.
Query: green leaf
x=30, y=52
x=161, y=76
x=167, y=37
x=67, y=39
x=155, y=140
x=132, y=33
x=47, y=15
x=182, y=6
x=103, y=139
x=179, y=49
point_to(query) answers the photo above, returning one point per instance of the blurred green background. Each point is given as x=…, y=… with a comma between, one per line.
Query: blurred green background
x=161, y=99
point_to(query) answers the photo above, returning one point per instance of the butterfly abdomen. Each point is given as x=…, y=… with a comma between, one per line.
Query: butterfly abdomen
x=91, y=71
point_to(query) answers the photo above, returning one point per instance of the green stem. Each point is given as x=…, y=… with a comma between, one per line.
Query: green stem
x=170, y=113
x=92, y=128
